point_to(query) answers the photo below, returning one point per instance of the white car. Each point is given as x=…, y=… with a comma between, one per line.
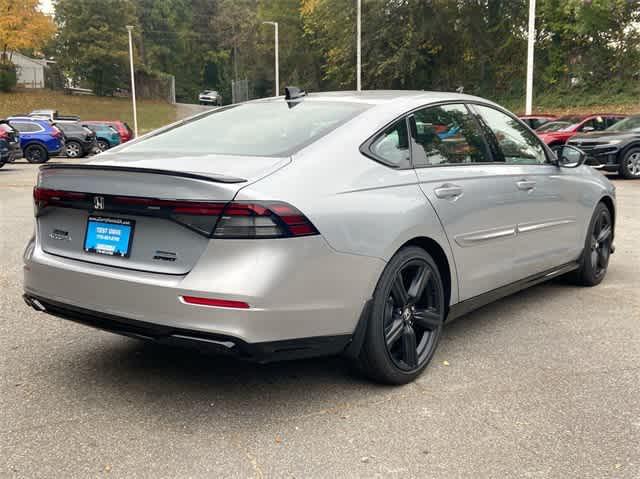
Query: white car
x=210, y=97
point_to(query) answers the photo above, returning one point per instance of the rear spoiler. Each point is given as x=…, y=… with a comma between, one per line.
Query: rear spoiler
x=181, y=174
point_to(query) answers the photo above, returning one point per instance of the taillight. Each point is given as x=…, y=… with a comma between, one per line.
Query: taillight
x=44, y=197
x=262, y=220
x=57, y=133
x=238, y=220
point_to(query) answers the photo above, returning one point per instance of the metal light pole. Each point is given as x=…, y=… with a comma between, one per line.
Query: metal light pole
x=133, y=83
x=277, y=85
x=359, y=47
x=531, y=40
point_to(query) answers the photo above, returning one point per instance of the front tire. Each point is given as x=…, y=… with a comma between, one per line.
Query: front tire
x=36, y=154
x=597, y=248
x=630, y=164
x=406, y=319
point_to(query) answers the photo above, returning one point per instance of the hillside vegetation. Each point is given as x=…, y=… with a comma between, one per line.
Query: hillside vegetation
x=579, y=102
x=151, y=114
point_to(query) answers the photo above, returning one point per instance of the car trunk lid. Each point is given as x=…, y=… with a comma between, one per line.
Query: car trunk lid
x=168, y=213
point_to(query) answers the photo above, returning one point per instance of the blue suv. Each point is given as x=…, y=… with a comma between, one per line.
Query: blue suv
x=39, y=139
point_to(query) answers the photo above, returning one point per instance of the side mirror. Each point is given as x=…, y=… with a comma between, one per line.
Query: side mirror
x=569, y=156
x=588, y=129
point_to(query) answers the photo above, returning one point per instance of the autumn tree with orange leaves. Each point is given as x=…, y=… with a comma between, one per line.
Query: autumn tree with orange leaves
x=22, y=27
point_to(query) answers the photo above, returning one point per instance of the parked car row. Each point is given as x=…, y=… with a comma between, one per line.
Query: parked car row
x=611, y=141
x=42, y=134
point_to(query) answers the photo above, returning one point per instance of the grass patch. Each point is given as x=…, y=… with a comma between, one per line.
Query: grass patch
x=625, y=101
x=152, y=114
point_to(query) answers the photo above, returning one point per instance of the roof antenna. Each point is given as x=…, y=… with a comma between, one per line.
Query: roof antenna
x=460, y=89
x=293, y=93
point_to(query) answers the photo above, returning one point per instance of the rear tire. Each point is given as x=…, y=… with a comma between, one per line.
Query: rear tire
x=630, y=164
x=73, y=149
x=597, y=249
x=36, y=154
x=103, y=145
x=406, y=319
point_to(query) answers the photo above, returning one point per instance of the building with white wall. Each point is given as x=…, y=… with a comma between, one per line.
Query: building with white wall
x=30, y=71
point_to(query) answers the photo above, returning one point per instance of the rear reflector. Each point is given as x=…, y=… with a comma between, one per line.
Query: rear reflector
x=216, y=303
x=238, y=220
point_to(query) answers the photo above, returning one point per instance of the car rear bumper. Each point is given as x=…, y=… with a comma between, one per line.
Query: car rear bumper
x=203, y=341
x=296, y=288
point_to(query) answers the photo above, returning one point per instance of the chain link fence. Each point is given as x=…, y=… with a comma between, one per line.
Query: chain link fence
x=239, y=90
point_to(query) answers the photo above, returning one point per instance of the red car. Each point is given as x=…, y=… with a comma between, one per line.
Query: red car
x=125, y=132
x=536, y=121
x=557, y=132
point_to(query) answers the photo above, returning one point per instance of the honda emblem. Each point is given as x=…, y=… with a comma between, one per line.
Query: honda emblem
x=98, y=202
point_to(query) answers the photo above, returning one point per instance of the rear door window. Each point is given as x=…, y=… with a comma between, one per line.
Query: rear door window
x=26, y=127
x=447, y=135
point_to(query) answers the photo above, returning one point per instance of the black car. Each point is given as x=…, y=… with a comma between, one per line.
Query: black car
x=9, y=143
x=80, y=141
x=615, y=149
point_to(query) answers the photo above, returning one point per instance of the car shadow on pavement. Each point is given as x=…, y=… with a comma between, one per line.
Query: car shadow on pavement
x=162, y=378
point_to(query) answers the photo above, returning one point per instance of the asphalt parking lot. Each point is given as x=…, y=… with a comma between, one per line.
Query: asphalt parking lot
x=545, y=383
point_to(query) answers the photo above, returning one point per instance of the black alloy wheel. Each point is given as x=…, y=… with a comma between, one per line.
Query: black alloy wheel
x=412, y=315
x=597, y=249
x=406, y=318
x=36, y=154
x=600, y=247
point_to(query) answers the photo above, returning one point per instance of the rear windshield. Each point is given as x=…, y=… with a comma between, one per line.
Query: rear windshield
x=272, y=128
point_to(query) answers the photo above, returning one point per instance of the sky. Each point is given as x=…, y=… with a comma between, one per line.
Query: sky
x=46, y=6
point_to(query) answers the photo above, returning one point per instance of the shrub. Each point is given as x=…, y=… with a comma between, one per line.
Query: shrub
x=8, y=77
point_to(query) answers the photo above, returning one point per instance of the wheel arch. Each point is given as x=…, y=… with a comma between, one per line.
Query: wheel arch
x=440, y=257
x=34, y=142
x=635, y=144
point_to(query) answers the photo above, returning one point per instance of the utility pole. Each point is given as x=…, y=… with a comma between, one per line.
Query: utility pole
x=359, y=48
x=276, y=88
x=530, y=44
x=133, y=83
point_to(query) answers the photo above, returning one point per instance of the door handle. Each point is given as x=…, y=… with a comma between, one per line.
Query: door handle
x=448, y=191
x=526, y=185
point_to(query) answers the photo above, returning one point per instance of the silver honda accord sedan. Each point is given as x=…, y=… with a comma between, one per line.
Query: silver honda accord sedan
x=353, y=223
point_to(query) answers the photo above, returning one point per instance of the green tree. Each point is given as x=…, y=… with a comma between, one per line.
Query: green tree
x=92, y=44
